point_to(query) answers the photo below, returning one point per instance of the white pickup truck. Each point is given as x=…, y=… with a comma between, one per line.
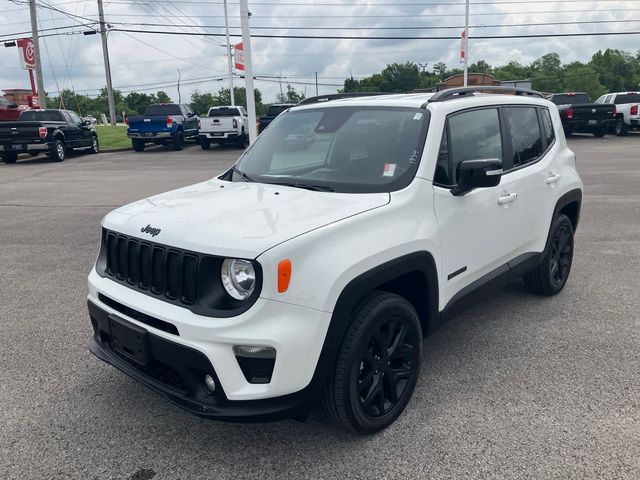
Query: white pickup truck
x=224, y=125
x=627, y=106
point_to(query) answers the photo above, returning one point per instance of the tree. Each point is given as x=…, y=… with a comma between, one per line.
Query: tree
x=618, y=71
x=480, y=67
x=162, y=97
x=512, y=71
x=292, y=96
x=548, y=73
x=350, y=85
x=440, y=69
x=201, y=102
x=579, y=77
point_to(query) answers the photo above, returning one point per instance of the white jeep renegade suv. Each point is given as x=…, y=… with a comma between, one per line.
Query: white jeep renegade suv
x=314, y=267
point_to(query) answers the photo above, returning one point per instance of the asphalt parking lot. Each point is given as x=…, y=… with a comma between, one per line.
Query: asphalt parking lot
x=516, y=387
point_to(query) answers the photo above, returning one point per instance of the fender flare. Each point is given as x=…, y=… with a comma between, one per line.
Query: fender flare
x=355, y=291
x=570, y=197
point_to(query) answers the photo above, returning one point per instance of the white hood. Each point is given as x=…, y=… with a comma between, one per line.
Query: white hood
x=238, y=219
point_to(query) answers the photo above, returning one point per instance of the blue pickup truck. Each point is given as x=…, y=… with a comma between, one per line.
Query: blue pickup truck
x=163, y=124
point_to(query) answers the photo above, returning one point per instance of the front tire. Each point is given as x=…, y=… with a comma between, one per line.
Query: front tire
x=620, y=128
x=377, y=367
x=553, y=272
x=9, y=157
x=95, y=144
x=178, y=143
x=58, y=151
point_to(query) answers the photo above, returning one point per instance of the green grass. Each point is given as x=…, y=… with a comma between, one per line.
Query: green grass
x=113, y=137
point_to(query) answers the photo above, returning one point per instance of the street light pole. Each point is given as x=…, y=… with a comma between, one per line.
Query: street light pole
x=226, y=26
x=466, y=43
x=107, y=65
x=42, y=95
x=248, y=69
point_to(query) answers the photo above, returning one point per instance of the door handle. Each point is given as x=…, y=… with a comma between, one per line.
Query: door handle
x=552, y=179
x=507, y=198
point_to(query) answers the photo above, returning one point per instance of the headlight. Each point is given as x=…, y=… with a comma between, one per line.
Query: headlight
x=238, y=278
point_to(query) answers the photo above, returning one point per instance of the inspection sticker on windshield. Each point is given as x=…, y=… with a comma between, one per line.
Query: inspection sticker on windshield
x=417, y=116
x=389, y=170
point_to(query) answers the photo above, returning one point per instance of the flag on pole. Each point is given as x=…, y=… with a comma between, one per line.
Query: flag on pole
x=463, y=47
x=239, y=56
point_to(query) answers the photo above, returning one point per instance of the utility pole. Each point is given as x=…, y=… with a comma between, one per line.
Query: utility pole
x=42, y=96
x=226, y=27
x=248, y=70
x=466, y=43
x=107, y=65
x=316, y=84
x=179, y=78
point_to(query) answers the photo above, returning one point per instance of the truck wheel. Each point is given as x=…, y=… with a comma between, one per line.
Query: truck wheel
x=138, y=145
x=95, y=144
x=600, y=132
x=377, y=367
x=205, y=143
x=178, y=143
x=568, y=132
x=9, y=157
x=242, y=140
x=620, y=128
x=58, y=151
x=551, y=275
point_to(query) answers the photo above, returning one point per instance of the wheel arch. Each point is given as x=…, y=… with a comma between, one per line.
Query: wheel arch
x=392, y=276
x=569, y=204
x=58, y=135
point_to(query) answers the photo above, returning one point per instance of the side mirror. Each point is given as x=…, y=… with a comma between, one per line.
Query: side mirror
x=477, y=174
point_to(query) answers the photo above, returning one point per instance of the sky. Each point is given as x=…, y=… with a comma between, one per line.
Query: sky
x=150, y=62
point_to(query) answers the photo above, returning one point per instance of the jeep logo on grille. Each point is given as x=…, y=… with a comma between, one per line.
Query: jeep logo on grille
x=150, y=230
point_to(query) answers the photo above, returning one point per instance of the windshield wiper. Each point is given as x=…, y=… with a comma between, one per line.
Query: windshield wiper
x=307, y=186
x=246, y=177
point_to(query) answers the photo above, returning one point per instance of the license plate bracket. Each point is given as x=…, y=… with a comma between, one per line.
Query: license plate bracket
x=129, y=340
x=593, y=122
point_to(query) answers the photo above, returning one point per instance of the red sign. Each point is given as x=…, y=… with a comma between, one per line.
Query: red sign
x=27, y=53
x=239, y=56
x=34, y=101
x=462, y=46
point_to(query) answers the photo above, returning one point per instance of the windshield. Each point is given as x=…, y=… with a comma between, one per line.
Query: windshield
x=170, y=109
x=566, y=99
x=623, y=98
x=41, y=116
x=276, y=110
x=224, y=112
x=344, y=149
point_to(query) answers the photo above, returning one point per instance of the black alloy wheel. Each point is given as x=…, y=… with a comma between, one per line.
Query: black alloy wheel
x=387, y=363
x=378, y=365
x=551, y=275
x=561, y=255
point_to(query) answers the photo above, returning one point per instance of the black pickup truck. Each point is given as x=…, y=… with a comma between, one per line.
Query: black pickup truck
x=273, y=111
x=54, y=132
x=579, y=114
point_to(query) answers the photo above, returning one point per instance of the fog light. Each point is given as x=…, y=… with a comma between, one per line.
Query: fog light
x=210, y=383
x=253, y=351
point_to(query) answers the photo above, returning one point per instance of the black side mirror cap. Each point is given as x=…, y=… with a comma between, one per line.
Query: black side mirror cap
x=481, y=173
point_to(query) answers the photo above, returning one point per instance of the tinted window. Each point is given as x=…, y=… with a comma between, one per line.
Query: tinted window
x=570, y=98
x=169, y=109
x=224, y=112
x=548, y=126
x=524, y=129
x=4, y=103
x=41, y=116
x=347, y=149
x=75, y=118
x=473, y=135
x=627, y=98
x=275, y=110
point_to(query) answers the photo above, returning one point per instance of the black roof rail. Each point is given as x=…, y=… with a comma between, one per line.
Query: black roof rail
x=338, y=96
x=451, y=93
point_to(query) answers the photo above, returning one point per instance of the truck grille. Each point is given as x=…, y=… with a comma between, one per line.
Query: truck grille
x=163, y=271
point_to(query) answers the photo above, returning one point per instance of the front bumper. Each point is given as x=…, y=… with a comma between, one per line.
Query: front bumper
x=296, y=333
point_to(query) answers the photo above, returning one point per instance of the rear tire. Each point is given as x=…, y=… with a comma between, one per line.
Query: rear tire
x=58, y=151
x=205, y=143
x=178, y=143
x=138, y=145
x=620, y=128
x=9, y=157
x=600, y=132
x=242, y=140
x=377, y=367
x=551, y=275
x=568, y=132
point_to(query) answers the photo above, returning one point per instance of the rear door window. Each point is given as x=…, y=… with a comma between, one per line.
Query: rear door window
x=469, y=135
x=525, y=136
